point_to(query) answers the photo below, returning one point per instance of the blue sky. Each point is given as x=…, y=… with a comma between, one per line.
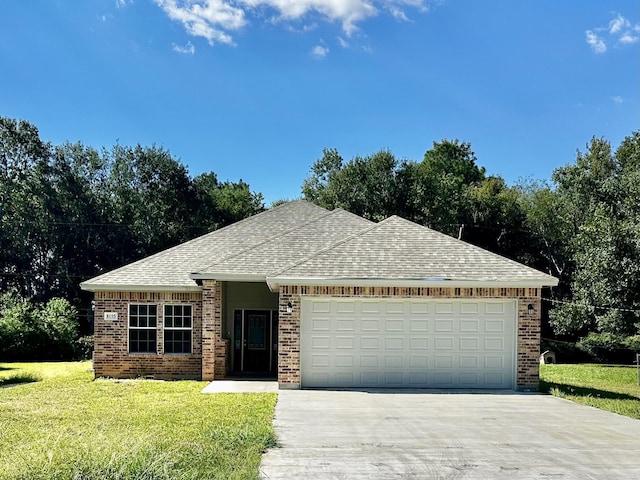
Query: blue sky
x=255, y=89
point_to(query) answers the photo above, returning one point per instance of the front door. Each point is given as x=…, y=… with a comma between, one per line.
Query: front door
x=255, y=342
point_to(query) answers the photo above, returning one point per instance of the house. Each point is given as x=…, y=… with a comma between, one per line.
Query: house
x=322, y=298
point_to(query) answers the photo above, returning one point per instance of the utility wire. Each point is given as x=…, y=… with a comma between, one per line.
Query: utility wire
x=581, y=304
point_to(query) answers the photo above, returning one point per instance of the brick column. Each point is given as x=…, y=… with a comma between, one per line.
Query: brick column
x=528, y=375
x=288, y=340
x=214, y=364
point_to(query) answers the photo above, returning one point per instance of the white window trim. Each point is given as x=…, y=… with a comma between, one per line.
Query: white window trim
x=129, y=328
x=164, y=327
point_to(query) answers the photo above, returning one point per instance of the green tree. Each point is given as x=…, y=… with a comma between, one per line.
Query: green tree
x=603, y=203
x=365, y=186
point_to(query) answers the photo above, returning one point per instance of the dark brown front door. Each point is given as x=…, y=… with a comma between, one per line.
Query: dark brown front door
x=255, y=343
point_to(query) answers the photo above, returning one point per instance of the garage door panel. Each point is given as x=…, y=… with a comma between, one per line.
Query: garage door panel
x=320, y=360
x=469, y=308
x=345, y=343
x=418, y=308
x=346, y=307
x=494, y=343
x=469, y=343
x=494, y=326
x=321, y=306
x=319, y=342
x=444, y=325
x=370, y=307
x=370, y=379
x=345, y=379
x=469, y=325
x=494, y=308
x=443, y=380
x=344, y=360
x=393, y=361
x=394, y=307
x=468, y=379
x=369, y=361
x=393, y=379
x=321, y=324
x=394, y=325
x=418, y=325
x=345, y=324
x=394, y=343
x=494, y=361
x=407, y=343
x=444, y=307
x=443, y=343
x=370, y=325
x=368, y=343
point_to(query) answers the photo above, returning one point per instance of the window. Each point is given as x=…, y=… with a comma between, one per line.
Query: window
x=177, y=329
x=143, y=321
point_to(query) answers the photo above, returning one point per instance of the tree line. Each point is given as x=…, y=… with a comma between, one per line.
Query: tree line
x=582, y=226
x=69, y=212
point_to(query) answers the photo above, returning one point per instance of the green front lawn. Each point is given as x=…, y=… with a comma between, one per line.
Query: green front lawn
x=609, y=388
x=66, y=426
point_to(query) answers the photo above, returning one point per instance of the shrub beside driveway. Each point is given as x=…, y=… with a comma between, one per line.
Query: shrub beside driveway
x=611, y=388
x=67, y=426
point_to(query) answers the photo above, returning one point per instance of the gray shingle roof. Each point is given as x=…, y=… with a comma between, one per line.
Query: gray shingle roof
x=399, y=249
x=286, y=250
x=302, y=241
x=172, y=267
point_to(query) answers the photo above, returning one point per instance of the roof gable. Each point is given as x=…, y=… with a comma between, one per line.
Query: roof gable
x=281, y=252
x=172, y=267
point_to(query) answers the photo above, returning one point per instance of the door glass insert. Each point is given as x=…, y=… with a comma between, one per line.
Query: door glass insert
x=257, y=334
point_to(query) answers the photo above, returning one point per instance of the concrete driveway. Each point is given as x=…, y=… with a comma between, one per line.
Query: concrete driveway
x=416, y=434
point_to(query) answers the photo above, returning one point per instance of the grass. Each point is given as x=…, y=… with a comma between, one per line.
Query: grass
x=606, y=387
x=66, y=426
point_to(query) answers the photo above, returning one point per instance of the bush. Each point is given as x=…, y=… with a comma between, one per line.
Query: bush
x=84, y=347
x=30, y=332
x=610, y=347
x=566, y=352
x=59, y=322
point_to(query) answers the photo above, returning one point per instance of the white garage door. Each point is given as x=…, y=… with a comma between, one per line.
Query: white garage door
x=407, y=343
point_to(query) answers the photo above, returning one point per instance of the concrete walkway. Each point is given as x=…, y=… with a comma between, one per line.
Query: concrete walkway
x=414, y=434
x=241, y=386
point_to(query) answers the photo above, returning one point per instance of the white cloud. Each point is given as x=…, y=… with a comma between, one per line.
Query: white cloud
x=617, y=99
x=619, y=31
x=208, y=18
x=398, y=13
x=187, y=49
x=319, y=51
x=628, y=38
x=617, y=24
x=122, y=3
x=343, y=43
x=595, y=42
x=215, y=20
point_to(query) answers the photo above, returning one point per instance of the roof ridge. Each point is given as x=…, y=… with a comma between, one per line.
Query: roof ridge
x=269, y=239
x=208, y=234
x=333, y=245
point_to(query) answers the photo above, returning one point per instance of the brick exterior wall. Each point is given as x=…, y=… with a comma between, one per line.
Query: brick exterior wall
x=209, y=359
x=215, y=349
x=528, y=328
x=111, y=352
